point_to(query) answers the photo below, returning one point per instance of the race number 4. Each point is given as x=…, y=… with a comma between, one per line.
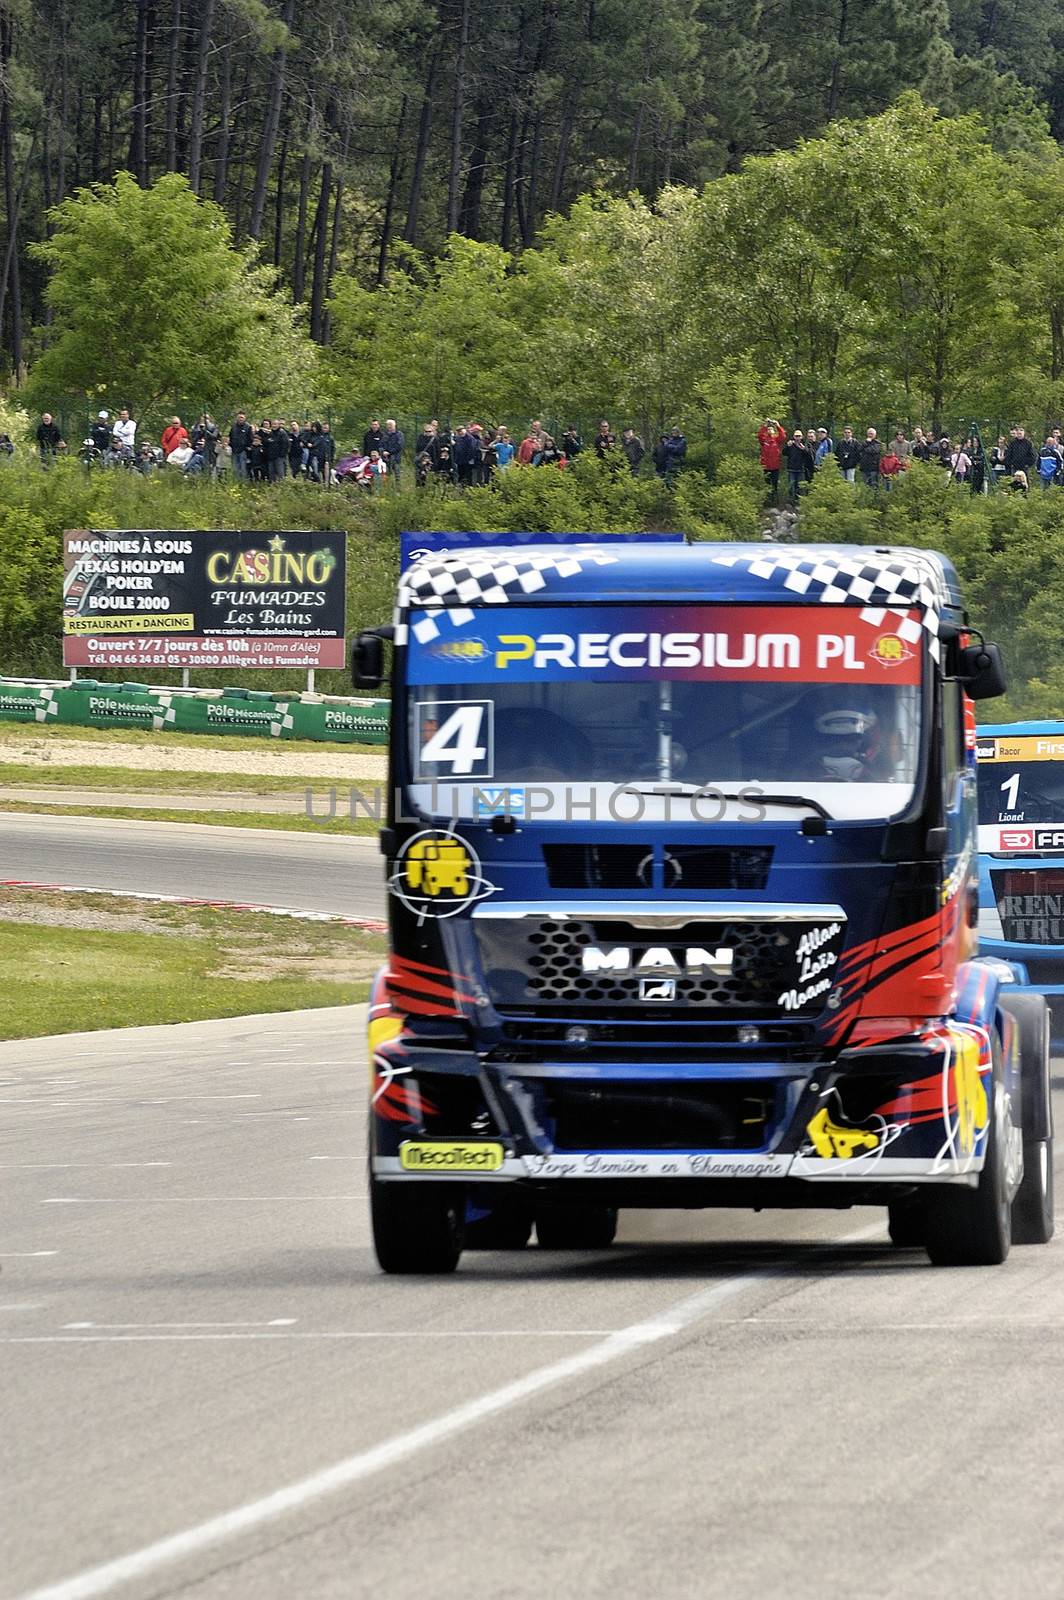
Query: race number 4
x=454, y=739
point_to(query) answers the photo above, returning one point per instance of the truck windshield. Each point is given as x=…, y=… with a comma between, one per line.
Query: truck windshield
x=1021, y=793
x=781, y=698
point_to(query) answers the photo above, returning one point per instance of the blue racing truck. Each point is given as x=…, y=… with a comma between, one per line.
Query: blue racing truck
x=681, y=854
x=1021, y=852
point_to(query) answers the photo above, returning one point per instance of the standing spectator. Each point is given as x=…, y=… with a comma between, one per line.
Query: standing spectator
x=279, y=451
x=527, y=449
x=49, y=439
x=797, y=456
x=240, y=443
x=997, y=459
x=426, y=439
x=901, y=446
x=504, y=450
x=173, y=437
x=489, y=456
x=298, y=453
x=960, y=463
x=605, y=440
x=394, y=444
x=480, y=439
x=466, y=458
x=1020, y=455
x=848, y=455
x=920, y=448
x=549, y=455
x=675, y=451
x=257, y=465
x=205, y=433
x=661, y=459
x=633, y=447
x=373, y=438
x=770, y=442
x=125, y=429
x=810, y=466
x=871, y=452
x=943, y=452
x=1050, y=460
x=770, y=429
x=101, y=432
x=890, y=464
x=323, y=452
x=825, y=446
x=443, y=461
x=572, y=443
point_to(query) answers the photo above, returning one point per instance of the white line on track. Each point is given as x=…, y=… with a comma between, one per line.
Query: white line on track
x=326, y=1334
x=66, y=1166
x=116, y=1327
x=401, y=1447
x=24, y=1254
x=188, y=1199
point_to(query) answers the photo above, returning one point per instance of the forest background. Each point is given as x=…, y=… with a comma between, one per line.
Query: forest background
x=691, y=212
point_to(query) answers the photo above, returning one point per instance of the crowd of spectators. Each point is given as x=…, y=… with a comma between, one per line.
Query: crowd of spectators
x=469, y=455
x=1012, y=463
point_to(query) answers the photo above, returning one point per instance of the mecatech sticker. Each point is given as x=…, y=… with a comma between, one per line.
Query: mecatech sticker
x=449, y=1156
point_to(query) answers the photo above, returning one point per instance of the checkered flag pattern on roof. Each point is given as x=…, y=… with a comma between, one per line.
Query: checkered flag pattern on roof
x=452, y=582
x=887, y=586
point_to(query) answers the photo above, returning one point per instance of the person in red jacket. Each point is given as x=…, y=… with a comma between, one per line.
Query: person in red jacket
x=174, y=436
x=770, y=439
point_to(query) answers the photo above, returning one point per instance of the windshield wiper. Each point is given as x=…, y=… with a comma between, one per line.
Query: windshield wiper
x=668, y=786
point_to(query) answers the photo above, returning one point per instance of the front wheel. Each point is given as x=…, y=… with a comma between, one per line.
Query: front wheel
x=1032, y=1207
x=417, y=1227
x=906, y=1224
x=973, y=1227
x=576, y=1227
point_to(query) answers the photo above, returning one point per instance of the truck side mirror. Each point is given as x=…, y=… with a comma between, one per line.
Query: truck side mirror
x=981, y=671
x=367, y=660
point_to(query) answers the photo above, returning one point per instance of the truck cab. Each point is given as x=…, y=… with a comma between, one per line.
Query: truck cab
x=1021, y=852
x=683, y=899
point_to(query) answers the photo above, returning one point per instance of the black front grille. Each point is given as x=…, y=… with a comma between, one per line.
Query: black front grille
x=570, y=964
x=676, y=868
x=717, y=1115
x=598, y=866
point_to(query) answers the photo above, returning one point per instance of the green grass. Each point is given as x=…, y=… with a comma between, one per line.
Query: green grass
x=21, y=731
x=200, y=963
x=361, y=827
x=132, y=780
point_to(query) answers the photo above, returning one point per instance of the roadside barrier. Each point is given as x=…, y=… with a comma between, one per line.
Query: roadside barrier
x=329, y=718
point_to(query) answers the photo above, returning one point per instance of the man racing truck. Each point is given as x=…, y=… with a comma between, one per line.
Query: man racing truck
x=683, y=902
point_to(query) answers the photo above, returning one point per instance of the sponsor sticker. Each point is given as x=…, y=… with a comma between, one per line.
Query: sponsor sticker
x=1017, y=839
x=449, y=1156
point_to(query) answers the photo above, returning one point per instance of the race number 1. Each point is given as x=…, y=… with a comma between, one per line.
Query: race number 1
x=454, y=739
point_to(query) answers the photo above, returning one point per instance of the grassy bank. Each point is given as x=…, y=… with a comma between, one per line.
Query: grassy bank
x=82, y=962
x=38, y=735
x=340, y=824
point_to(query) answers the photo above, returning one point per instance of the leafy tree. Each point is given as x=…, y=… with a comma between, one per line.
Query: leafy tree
x=151, y=301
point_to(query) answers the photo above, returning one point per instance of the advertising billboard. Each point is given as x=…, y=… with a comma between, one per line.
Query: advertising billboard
x=202, y=599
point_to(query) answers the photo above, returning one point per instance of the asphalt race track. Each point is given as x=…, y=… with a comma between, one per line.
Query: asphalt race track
x=300, y=871
x=210, y=1392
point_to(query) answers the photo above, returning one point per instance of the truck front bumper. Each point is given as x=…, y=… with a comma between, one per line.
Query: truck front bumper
x=905, y=1112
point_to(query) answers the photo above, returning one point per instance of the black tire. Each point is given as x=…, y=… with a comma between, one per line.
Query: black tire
x=973, y=1227
x=1032, y=1206
x=576, y=1227
x=508, y=1228
x=417, y=1227
x=907, y=1224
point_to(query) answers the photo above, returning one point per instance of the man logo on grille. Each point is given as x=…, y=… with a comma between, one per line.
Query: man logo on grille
x=657, y=959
